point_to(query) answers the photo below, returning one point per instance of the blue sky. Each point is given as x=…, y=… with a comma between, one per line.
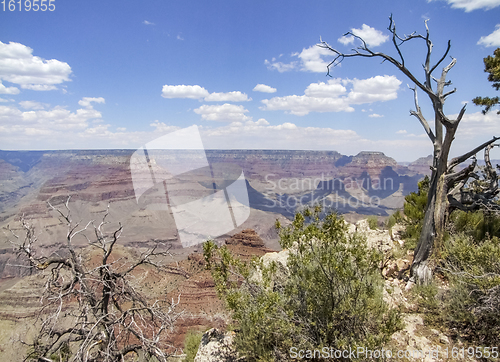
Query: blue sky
x=118, y=74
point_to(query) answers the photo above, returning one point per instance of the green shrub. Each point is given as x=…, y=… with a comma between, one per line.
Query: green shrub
x=478, y=225
x=429, y=301
x=472, y=305
x=414, y=211
x=393, y=220
x=191, y=344
x=372, y=222
x=331, y=295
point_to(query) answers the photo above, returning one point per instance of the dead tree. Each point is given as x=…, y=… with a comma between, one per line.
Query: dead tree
x=443, y=178
x=91, y=309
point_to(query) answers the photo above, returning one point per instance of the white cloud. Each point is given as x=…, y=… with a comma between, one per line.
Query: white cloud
x=198, y=92
x=412, y=135
x=236, y=96
x=470, y=5
x=184, y=91
x=280, y=66
x=375, y=115
x=264, y=88
x=39, y=87
x=289, y=136
x=179, y=37
x=492, y=40
x=286, y=125
x=148, y=22
x=261, y=122
x=333, y=96
x=87, y=101
x=33, y=105
x=59, y=128
x=19, y=66
x=478, y=124
x=56, y=122
x=302, y=105
x=371, y=36
x=161, y=127
x=312, y=60
x=8, y=90
x=325, y=90
x=378, y=88
x=223, y=113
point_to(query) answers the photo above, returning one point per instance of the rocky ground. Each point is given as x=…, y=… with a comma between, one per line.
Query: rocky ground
x=416, y=342
x=202, y=310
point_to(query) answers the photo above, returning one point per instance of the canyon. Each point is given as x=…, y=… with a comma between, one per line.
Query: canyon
x=278, y=183
x=95, y=183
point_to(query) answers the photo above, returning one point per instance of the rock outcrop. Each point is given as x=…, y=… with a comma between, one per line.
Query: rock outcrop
x=216, y=346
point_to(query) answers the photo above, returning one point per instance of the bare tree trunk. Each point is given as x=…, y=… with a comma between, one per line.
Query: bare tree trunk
x=443, y=178
x=432, y=228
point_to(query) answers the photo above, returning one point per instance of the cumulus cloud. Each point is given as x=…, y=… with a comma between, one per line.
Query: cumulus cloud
x=470, y=5
x=261, y=122
x=87, y=101
x=280, y=66
x=264, y=88
x=491, y=40
x=236, y=96
x=223, y=113
x=37, y=120
x=375, y=115
x=312, y=61
x=478, y=124
x=145, y=22
x=161, y=127
x=379, y=88
x=325, y=90
x=184, y=91
x=198, y=92
x=19, y=66
x=302, y=105
x=33, y=105
x=34, y=127
x=8, y=90
x=371, y=36
x=333, y=96
x=289, y=136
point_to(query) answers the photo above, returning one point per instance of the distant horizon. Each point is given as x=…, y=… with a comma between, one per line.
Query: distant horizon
x=216, y=149
x=99, y=75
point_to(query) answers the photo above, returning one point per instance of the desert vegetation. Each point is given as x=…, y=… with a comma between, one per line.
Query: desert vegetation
x=92, y=307
x=447, y=188
x=327, y=293
x=463, y=296
x=326, y=287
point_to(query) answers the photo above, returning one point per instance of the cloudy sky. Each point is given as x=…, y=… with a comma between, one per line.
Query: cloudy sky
x=118, y=74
